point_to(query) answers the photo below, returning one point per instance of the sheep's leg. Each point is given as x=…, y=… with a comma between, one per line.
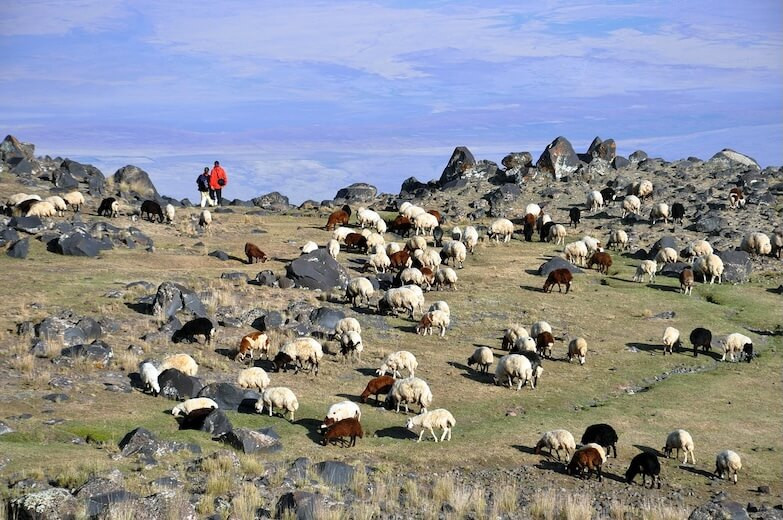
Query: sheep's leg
x=432, y=432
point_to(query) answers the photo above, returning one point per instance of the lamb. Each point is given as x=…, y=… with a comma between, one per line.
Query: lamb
x=511, y=335
x=456, y=252
x=686, y=281
x=592, y=244
x=333, y=248
x=410, y=390
x=539, y=327
x=514, y=366
x=59, y=204
x=481, y=357
x=658, y=212
x=254, y=253
x=584, y=461
x=205, y=219
x=170, y=213
x=425, y=223
x=642, y=189
x=577, y=348
x=576, y=252
x=151, y=209
x=415, y=243
x=401, y=298
x=74, y=199
x=346, y=325
x=252, y=343
x=602, y=260
x=646, y=267
x=351, y=344
x=149, y=376
x=309, y=247
x=501, y=228
x=356, y=242
x=299, y=352
x=667, y=255
x=253, y=378
x=756, y=244
x=595, y=201
x=679, y=440
x=574, y=216
x=603, y=435
x=182, y=362
x=671, y=340
x=358, y=290
x=736, y=198
x=367, y=217
x=556, y=440
x=471, y=238
x=557, y=233
x=631, y=206
x=376, y=386
x=446, y=277
x=197, y=403
x=342, y=410
x=396, y=361
x=338, y=218
x=619, y=239
x=433, y=319
x=109, y=207
x=439, y=418
x=43, y=209
x=727, y=464
x=195, y=327
x=647, y=465
x=349, y=427
x=737, y=343
x=560, y=277
x=701, y=337
x=456, y=233
x=678, y=213
x=341, y=233
x=278, y=397
x=544, y=343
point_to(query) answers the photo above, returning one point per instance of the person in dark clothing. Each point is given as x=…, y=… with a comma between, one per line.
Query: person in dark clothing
x=203, y=188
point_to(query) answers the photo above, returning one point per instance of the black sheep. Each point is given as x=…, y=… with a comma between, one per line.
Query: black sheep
x=647, y=465
x=603, y=435
x=106, y=208
x=701, y=337
x=747, y=351
x=193, y=328
x=151, y=209
x=678, y=212
x=544, y=232
x=575, y=214
x=437, y=235
x=609, y=195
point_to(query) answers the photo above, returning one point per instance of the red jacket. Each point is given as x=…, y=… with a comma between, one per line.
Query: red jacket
x=217, y=173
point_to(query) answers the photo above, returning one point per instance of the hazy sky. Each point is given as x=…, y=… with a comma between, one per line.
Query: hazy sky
x=307, y=97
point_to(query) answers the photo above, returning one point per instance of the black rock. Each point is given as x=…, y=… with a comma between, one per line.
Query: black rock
x=317, y=270
x=178, y=386
x=19, y=249
x=266, y=278
x=171, y=297
x=661, y=243
x=272, y=201
x=709, y=224
x=335, y=473
x=94, y=353
x=412, y=187
x=212, y=421
x=137, y=181
x=729, y=159
x=737, y=266
x=63, y=179
x=325, y=318
x=302, y=505
x=673, y=270
x=79, y=243
x=265, y=440
x=56, y=398
x=285, y=283
x=220, y=255
x=24, y=167
x=722, y=509
x=230, y=397
x=461, y=159
x=637, y=157
x=558, y=158
x=517, y=160
x=271, y=320
x=139, y=440
x=604, y=150
x=49, y=504
x=91, y=329
x=8, y=235
x=12, y=150
x=357, y=192
x=98, y=504
x=30, y=225
x=502, y=199
x=557, y=263
x=620, y=162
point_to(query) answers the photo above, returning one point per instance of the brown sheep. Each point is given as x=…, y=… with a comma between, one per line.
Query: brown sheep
x=584, y=461
x=252, y=342
x=558, y=276
x=603, y=260
x=429, y=277
x=544, y=343
x=349, y=427
x=686, y=280
x=401, y=259
x=402, y=225
x=736, y=198
x=436, y=214
x=338, y=218
x=357, y=242
x=376, y=386
x=529, y=226
x=254, y=254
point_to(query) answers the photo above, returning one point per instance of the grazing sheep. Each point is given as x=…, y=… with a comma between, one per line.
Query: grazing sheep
x=349, y=427
x=376, y=241
x=440, y=305
x=595, y=201
x=523, y=344
x=43, y=209
x=619, y=239
x=197, y=403
x=415, y=243
x=367, y=217
x=338, y=218
x=351, y=344
x=727, y=464
x=598, y=447
x=182, y=362
x=205, y=219
x=396, y=361
x=511, y=335
x=539, y=327
x=278, y=397
x=558, y=276
x=602, y=260
x=413, y=211
x=533, y=209
x=151, y=209
x=433, y=319
x=347, y=324
x=471, y=238
x=609, y=195
x=647, y=465
x=642, y=189
x=646, y=267
x=439, y=418
x=528, y=227
x=481, y=357
x=678, y=213
x=16, y=198
x=340, y=233
x=356, y=242
x=574, y=216
x=501, y=228
x=631, y=206
x=701, y=337
x=399, y=299
x=544, y=343
x=358, y=290
x=535, y=365
x=342, y=410
x=149, y=376
x=576, y=252
x=756, y=244
x=412, y=275
x=737, y=343
x=299, y=352
x=393, y=247
x=557, y=233
x=679, y=440
x=658, y=212
x=309, y=247
x=401, y=260
x=456, y=252
x=577, y=348
x=333, y=248
x=437, y=236
x=543, y=233
x=603, y=435
x=592, y=244
x=556, y=440
x=671, y=340
x=584, y=461
x=712, y=266
x=250, y=343
x=446, y=277
x=74, y=199
x=59, y=204
x=376, y=386
x=511, y=367
x=254, y=253
x=425, y=223
x=429, y=258
x=401, y=225
x=410, y=390
x=736, y=198
x=195, y=327
x=686, y=281
x=777, y=242
x=109, y=207
x=456, y=233
x=666, y=255
x=253, y=377
x=698, y=248
x=170, y=213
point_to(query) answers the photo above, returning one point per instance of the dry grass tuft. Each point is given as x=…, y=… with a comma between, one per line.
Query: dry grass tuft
x=504, y=500
x=550, y=505
x=246, y=503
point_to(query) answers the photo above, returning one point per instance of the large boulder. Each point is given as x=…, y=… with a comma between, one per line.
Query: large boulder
x=325, y=319
x=8, y=235
x=178, y=386
x=503, y=199
x=737, y=266
x=166, y=504
x=98, y=505
x=265, y=440
x=663, y=242
x=719, y=510
x=317, y=270
x=12, y=150
x=49, y=504
x=301, y=505
x=133, y=182
x=171, y=298
x=230, y=397
x=98, y=354
x=728, y=158
x=708, y=224
x=461, y=159
x=517, y=160
x=558, y=158
x=19, y=249
x=334, y=472
x=64, y=180
x=274, y=201
x=413, y=187
x=557, y=263
x=211, y=421
x=79, y=243
x=81, y=172
x=357, y=192
x=30, y=225
x=605, y=150
x=141, y=441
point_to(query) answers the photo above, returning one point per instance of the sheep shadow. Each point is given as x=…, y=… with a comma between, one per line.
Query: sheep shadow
x=531, y=288
x=612, y=476
x=469, y=373
x=312, y=426
x=367, y=371
x=697, y=471
x=367, y=311
x=141, y=308
x=648, y=449
x=665, y=288
x=533, y=272
x=395, y=432
x=354, y=398
x=645, y=347
x=226, y=352
x=525, y=449
x=552, y=465
x=136, y=382
x=240, y=260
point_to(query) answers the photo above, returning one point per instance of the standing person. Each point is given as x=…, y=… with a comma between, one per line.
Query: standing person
x=217, y=181
x=203, y=187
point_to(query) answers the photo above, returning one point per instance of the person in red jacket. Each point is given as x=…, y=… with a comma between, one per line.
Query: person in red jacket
x=217, y=181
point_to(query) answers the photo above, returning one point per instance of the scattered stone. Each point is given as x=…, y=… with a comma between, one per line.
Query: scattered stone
x=266, y=278
x=557, y=263
x=230, y=397
x=317, y=270
x=50, y=504
x=234, y=276
x=95, y=353
x=19, y=249
x=29, y=225
x=265, y=440
x=56, y=398
x=212, y=421
x=103, y=502
x=178, y=386
x=79, y=243
x=172, y=297
x=737, y=266
x=220, y=255
x=357, y=192
x=335, y=473
x=4, y=428
x=325, y=319
x=719, y=509
x=303, y=505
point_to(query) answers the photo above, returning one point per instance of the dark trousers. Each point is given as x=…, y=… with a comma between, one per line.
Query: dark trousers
x=217, y=195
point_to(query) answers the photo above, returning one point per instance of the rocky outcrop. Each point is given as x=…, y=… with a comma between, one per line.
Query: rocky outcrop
x=357, y=192
x=317, y=270
x=558, y=159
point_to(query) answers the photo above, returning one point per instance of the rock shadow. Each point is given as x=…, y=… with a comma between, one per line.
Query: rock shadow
x=645, y=347
x=395, y=432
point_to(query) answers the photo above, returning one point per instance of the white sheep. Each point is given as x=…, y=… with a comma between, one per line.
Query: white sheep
x=413, y=212
x=42, y=209
x=658, y=212
x=539, y=327
x=74, y=199
x=671, y=340
x=367, y=217
x=456, y=252
x=182, y=362
x=358, y=290
x=481, y=357
x=470, y=238
x=501, y=228
x=16, y=198
x=511, y=335
x=440, y=305
x=197, y=403
x=59, y=204
x=514, y=366
x=205, y=219
x=342, y=410
x=425, y=223
x=170, y=212
x=253, y=377
x=618, y=238
x=375, y=241
x=401, y=298
x=456, y=233
x=309, y=247
x=404, y=206
x=577, y=348
x=524, y=344
x=396, y=361
x=379, y=261
x=645, y=267
x=711, y=266
x=429, y=258
x=433, y=319
x=278, y=397
x=333, y=248
x=149, y=376
x=380, y=226
x=698, y=248
x=304, y=350
x=555, y=441
x=642, y=189
x=393, y=247
x=592, y=244
x=666, y=255
x=595, y=200
x=756, y=244
x=631, y=205
x=600, y=449
x=351, y=343
x=679, y=440
x=341, y=232
x=446, y=277
x=735, y=344
x=410, y=390
x=533, y=209
x=347, y=324
x=727, y=464
x=414, y=243
x=440, y=418
x=557, y=234
x=412, y=275
x=576, y=252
